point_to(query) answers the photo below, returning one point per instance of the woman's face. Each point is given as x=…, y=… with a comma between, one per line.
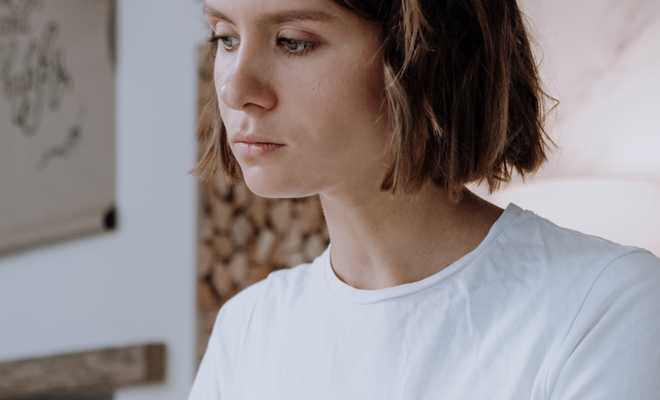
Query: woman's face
x=314, y=85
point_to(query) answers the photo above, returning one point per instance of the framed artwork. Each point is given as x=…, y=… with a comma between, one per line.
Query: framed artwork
x=57, y=120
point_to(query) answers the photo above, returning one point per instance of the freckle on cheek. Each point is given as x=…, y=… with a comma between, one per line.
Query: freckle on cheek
x=316, y=87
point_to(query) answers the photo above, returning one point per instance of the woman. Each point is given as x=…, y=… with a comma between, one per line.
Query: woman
x=385, y=109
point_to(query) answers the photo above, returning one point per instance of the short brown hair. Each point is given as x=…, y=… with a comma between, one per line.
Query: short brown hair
x=462, y=92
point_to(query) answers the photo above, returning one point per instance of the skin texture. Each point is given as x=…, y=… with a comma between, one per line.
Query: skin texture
x=325, y=107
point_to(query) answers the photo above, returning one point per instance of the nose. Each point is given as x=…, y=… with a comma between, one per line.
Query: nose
x=246, y=83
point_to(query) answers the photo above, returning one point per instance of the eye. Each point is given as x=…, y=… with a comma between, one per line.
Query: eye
x=215, y=38
x=292, y=47
x=296, y=47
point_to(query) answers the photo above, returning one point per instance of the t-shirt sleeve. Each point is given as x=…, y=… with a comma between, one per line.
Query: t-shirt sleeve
x=612, y=348
x=215, y=367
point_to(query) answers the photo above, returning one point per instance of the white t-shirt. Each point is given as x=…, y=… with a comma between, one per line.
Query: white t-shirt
x=535, y=312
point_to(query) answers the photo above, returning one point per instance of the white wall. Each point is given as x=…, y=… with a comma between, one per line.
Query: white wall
x=136, y=284
x=602, y=61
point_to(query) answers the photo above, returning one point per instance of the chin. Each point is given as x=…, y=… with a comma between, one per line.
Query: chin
x=271, y=189
x=285, y=190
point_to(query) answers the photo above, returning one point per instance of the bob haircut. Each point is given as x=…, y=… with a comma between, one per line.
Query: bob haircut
x=462, y=93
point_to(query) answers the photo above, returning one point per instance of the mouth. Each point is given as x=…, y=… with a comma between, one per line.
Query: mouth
x=251, y=138
x=255, y=143
x=255, y=149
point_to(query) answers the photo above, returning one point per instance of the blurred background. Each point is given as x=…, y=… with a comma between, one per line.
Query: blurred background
x=132, y=286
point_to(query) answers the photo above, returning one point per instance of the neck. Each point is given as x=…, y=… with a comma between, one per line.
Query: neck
x=381, y=240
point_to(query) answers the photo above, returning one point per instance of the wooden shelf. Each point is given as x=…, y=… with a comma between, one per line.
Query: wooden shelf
x=96, y=371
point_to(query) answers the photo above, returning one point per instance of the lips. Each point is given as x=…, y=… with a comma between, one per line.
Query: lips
x=255, y=142
x=248, y=138
x=254, y=150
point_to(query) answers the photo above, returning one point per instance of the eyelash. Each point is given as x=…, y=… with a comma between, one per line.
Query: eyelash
x=309, y=46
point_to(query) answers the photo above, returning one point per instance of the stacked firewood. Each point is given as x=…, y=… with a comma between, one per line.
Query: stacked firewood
x=243, y=237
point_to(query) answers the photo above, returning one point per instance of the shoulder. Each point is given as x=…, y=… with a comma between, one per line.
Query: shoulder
x=563, y=266
x=539, y=235
x=234, y=314
x=288, y=285
x=555, y=256
x=601, y=301
x=239, y=309
x=216, y=370
x=599, y=258
x=632, y=278
x=610, y=347
x=242, y=303
x=636, y=263
x=249, y=308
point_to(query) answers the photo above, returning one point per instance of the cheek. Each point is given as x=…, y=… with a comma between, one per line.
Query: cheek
x=219, y=79
x=357, y=90
x=352, y=97
x=338, y=111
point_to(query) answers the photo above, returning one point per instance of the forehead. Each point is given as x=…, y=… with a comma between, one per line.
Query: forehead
x=273, y=11
x=268, y=4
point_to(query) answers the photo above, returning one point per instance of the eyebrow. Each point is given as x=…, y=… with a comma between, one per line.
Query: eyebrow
x=279, y=17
